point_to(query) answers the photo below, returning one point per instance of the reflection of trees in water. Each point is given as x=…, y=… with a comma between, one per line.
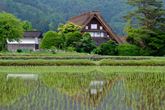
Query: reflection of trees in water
x=115, y=95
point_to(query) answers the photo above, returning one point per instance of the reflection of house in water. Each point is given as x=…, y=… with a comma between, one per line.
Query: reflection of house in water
x=97, y=91
x=102, y=94
x=96, y=87
x=24, y=76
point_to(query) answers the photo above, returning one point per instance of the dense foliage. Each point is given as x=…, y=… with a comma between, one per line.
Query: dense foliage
x=68, y=27
x=48, y=14
x=27, y=26
x=86, y=44
x=11, y=28
x=128, y=50
x=68, y=38
x=146, y=26
x=145, y=23
x=108, y=48
x=51, y=39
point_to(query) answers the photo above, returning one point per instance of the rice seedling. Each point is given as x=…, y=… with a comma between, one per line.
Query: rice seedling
x=84, y=88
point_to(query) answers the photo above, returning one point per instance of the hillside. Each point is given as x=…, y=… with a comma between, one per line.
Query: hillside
x=48, y=14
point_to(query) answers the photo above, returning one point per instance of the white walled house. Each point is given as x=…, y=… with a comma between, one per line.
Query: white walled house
x=30, y=41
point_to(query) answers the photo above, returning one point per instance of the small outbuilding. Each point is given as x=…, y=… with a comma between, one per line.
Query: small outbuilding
x=30, y=41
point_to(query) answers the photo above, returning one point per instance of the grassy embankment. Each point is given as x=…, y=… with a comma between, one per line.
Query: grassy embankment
x=76, y=59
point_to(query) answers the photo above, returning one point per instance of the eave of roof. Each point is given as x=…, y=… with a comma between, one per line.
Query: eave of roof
x=32, y=34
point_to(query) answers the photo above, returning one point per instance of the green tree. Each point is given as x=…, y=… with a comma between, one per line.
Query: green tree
x=108, y=48
x=128, y=50
x=27, y=26
x=72, y=38
x=68, y=27
x=86, y=44
x=51, y=39
x=146, y=25
x=10, y=29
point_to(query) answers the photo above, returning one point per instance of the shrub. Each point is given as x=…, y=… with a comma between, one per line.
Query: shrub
x=51, y=39
x=72, y=39
x=53, y=50
x=19, y=50
x=86, y=44
x=128, y=50
x=108, y=48
x=70, y=49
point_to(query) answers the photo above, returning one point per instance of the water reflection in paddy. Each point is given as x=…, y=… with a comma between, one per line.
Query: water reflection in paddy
x=73, y=92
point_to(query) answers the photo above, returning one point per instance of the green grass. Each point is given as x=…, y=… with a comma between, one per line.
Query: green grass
x=11, y=90
x=61, y=54
x=82, y=62
x=70, y=55
x=76, y=59
x=81, y=69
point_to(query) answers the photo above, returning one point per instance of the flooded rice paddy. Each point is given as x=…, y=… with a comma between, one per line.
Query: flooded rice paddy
x=94, y=90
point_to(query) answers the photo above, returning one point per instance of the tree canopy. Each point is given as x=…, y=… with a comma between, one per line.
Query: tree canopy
x=51, y=39
x=146, y=25
x=68, y=27
x=11, y=28
x=49, y=14
x=27, y=26
x=108, y=48
x=68, y=37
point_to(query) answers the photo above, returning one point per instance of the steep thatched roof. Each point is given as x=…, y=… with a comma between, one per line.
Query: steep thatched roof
x=85, y=18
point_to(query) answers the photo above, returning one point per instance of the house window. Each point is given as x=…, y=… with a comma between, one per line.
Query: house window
x=93, y=26
x=101, y=27
x=97, y=34
x=86, y=27
x=102, y=34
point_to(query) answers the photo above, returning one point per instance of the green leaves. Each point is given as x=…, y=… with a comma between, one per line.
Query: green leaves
x=128, y=50
x=11, y=28
x=51, y=39
x=146, y=25
x=108, y=48
x=68, y=38
x=69, y=27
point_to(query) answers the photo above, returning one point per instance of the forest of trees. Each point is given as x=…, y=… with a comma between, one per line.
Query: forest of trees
x=48, y=14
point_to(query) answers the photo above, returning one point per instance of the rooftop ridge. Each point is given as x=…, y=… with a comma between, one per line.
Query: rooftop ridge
x=85, y=13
